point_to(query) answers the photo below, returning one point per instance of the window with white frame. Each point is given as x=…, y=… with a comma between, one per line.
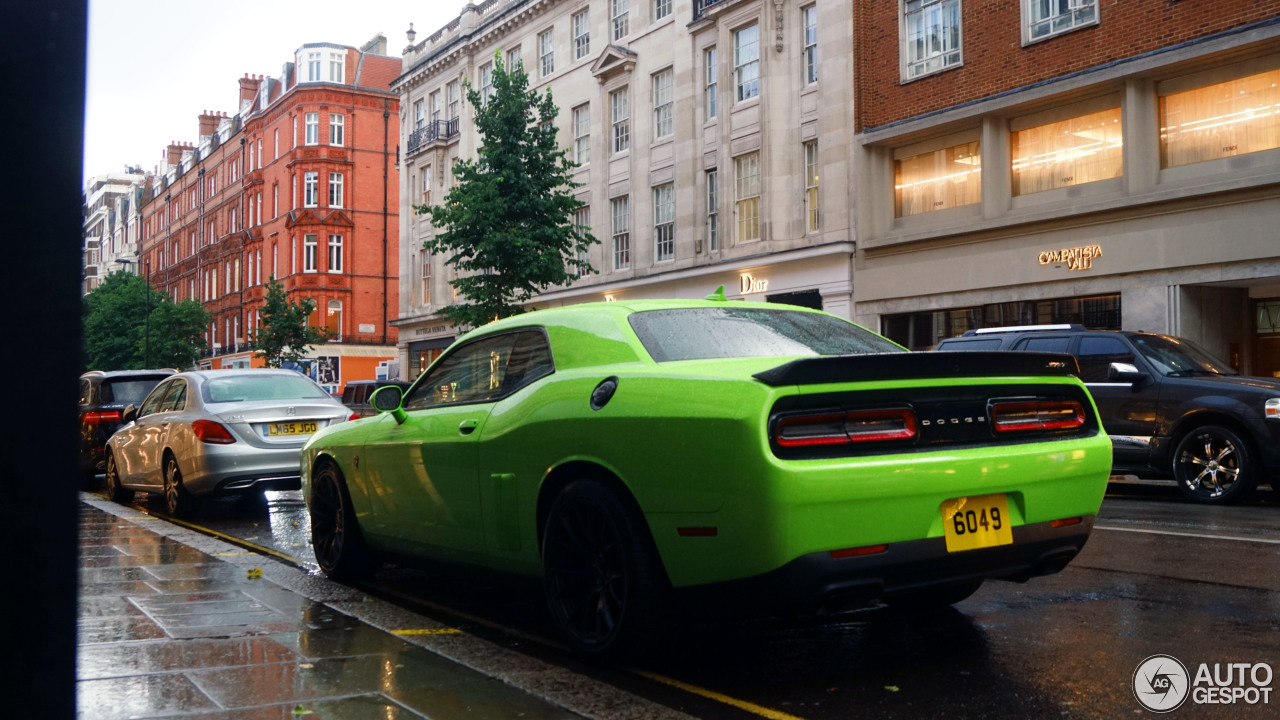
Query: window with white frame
x=424, y=277
x=811, y=206
x=664, y=222
x=335, y=189
x=335, y=253
x=931, y=36
x=260, y=154
x=313, y=66
x=618, y=13
x=546, y=54
x=809, y=20
x=419, y=115
x=486, y=82
x=310, y=246
x=277, y=144
x=746, y=184
x=336, y=74
x=434, y=105
x=713, y=210
x=582, y=134
x=1078, y=150
x=451, y=95
x=746, y=61
x=310, y=189
x=426, y=185
x=513, y=58
x=582, y=218
x=661, y=9
x=1045, y=18
x=275, y=201
x=312, y=124
x=620, y=116
x=582, y=34
x=663, y=103
x=1221, y=120
x=940, y=179
x=709, y=74
x=621, y=232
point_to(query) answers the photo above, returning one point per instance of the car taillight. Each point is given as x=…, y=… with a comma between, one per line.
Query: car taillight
x=354, y=416
x=1036, y=415
x=840, y=428
x=102, y=417
x=212, y=432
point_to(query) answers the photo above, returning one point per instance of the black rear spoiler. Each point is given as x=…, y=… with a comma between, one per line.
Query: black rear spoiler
x=917, y=365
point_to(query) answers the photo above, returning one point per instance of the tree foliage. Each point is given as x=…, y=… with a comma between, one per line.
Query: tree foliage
x=285, y=335
x=508, y=225
x=124, y=329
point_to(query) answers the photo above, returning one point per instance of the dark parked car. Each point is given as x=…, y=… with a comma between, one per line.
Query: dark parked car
x=356, y=394
x=1171, y=409
x=103, y=397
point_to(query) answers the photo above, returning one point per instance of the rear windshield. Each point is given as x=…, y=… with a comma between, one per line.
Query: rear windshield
x=241, y=388
x=129, y=391
x=707, y=333
x=969, y=345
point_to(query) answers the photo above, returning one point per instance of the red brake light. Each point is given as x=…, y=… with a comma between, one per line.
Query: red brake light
x=354, y=416
x=840, y=428
x=212, y=432
x=102, y=417
x=1036, y=415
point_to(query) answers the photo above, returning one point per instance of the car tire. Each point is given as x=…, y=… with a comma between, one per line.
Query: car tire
x=340, y=547
x=606, y=589
x=177, y=500
x=934, y=598
x=1214, y=465
x=115, y=491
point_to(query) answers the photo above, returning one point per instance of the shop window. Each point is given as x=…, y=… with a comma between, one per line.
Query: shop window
x=923, y=330
x=1222, y=120
x=938, y=180
x=1079, y=150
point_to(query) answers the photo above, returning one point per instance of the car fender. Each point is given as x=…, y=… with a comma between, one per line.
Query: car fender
x=1202, y=410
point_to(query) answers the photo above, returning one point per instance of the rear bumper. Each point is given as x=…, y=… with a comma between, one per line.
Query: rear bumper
x=819, y=584
x=240, y=468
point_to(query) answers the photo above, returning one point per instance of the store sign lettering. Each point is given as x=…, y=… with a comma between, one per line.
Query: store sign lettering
x=753, y=285
x=1077, y=258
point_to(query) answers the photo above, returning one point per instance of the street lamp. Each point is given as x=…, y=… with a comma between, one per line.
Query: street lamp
x=146, y=304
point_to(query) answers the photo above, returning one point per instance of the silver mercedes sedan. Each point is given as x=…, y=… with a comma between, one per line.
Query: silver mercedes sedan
x=214, y=432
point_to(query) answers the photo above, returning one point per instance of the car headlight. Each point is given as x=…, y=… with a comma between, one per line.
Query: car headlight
x=1271, y=410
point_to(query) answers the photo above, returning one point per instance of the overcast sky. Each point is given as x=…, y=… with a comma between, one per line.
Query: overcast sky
x=155, y=65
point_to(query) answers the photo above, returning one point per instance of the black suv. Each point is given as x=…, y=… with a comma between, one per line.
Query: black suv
x=1171, y=409
x=103, y=397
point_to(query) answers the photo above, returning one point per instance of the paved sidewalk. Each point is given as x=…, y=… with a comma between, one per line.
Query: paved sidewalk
x=177, y=624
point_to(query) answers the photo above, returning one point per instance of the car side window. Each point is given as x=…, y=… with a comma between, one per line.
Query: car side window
x=154, y=401
x=1043, y=344
x=1096, y=355
x=176, y=399
x=473, y=373
x=86, y=391
x=530, y=360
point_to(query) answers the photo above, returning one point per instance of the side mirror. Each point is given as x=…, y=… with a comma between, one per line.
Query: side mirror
x=388, y=399
x=129, y=415
x=1123, y=372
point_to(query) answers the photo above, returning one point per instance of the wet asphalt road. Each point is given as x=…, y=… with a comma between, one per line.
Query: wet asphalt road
x=1158, y=576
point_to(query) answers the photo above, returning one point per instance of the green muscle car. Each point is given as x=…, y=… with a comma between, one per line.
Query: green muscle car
x=648, y=456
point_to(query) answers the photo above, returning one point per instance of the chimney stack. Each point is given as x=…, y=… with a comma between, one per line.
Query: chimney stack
x=249, y=87
x=208, y=123
x=173, y=153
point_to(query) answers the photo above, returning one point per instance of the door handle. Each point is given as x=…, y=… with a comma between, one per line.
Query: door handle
x=466, y=427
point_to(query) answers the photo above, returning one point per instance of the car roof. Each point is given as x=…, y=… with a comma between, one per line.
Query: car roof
x=625, y=307
x=108, y=374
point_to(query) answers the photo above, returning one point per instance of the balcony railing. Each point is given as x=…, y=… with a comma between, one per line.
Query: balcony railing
x=699, y=6
x=434, y=130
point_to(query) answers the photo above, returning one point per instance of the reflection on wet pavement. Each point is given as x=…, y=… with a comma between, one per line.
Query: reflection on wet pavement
x=166, y=629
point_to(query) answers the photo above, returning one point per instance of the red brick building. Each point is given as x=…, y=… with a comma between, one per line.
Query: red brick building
x=301, y=184
x=1115, y=164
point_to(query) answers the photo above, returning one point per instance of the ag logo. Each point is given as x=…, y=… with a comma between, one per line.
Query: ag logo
x=1161, y=683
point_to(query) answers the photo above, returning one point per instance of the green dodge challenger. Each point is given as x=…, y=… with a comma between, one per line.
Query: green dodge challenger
x=659, y=454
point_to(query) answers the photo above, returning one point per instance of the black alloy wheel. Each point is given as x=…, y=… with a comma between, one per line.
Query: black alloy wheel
x=115, y=492
x=339, y=546
x=606, y=589
x=1213, y=465
x=177, y=500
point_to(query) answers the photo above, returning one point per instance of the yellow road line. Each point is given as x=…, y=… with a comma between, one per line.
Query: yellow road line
x=740, y=704
x=427, y=631
x=234, y=540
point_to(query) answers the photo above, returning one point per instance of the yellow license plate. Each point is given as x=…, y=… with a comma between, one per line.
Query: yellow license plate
x=291, y=428
x=976, y=522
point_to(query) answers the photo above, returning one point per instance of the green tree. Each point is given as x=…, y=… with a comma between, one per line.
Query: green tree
x=128, y=326
x=508, y=225
x=285, y=335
